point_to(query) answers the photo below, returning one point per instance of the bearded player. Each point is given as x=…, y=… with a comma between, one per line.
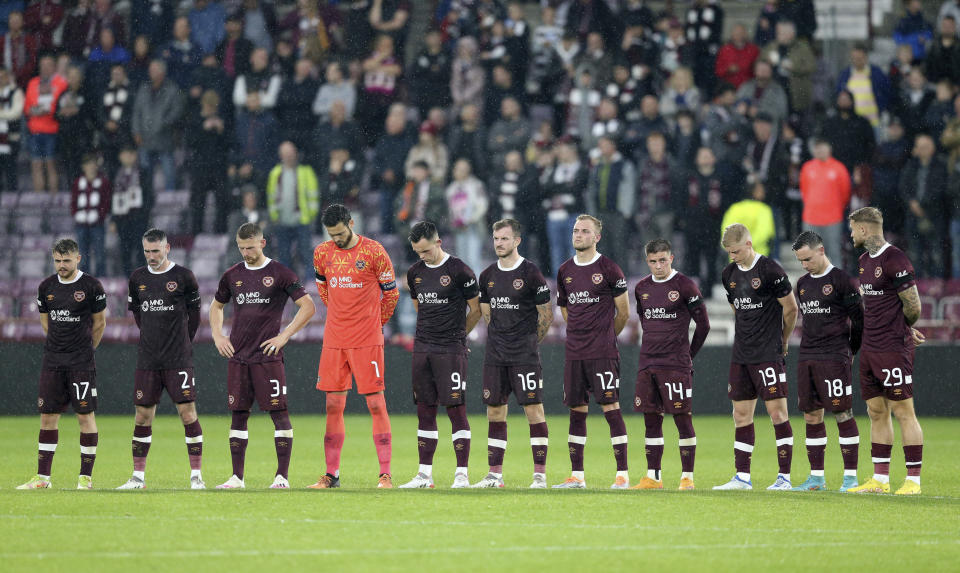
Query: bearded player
x=832, y=311
x=515, y=303
x=891, y=306
x=445, y=294
x=259, y=288
x=72, y=313
x=765, y=313
x=592, y=296
x=355, y=280
x=165, y=301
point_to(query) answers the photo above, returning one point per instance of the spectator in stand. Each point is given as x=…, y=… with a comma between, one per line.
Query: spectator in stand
x=256, y=137
x=851, y=138
x=259, y=23
x=582, y=101
x=295, y=107
x=765, y=31
x=468, y=140
x=610, y=195
x=314, y=30
x=210, y=76
x=42, y=18
x=509, y=133
x=658, y=198
x=913, y=30
x=11, y=115
x=825, y=187
x=76, y=116
x=685, y=139
x=102, y=59
x=18, y=50
x=467, y=203
x=90, y=204
x=705, y=33
x=381, y=83
x=793, y=64
x=391, y=18
x=501, y=86
x=156, y=111
x=941, y=111
x=293, y=201
x=130, y=202
x=430, y=150
x=103, y=15
x=562, y=186
x=754, y=213
x=421, y=200
x=923, y=185
x=607, y=122
x=75, y=30
x=709, y=190
x=900, y=68
x=585, y=16
x=233, y=53
x=802, y=14
x=208, y=144
x=913, y=101
x=597, y=59
x=764, y=93
x=153, y=19
x=389, y=155
x=207, y=19
x=868, y=85
x=943, y=61
x=337, y=132
x=767, y=161
x=514, y=193
x=248, y=212
x=340, y=182
x=138, y=69
x=799, y=154
x=892, y=154
x=335, y=88
x=675, y=51
x=430, y=77
x=39, y=105
x=950, y=142
x=636, y=132
x=113, y=116
x=724, y=128
x=735, y=59
x=260, y=79
x=949, y=8
x=681, y=93
x=182, y=54
x=467, y=78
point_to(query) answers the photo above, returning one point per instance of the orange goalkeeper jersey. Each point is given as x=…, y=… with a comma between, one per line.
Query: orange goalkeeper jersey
x=360, y=291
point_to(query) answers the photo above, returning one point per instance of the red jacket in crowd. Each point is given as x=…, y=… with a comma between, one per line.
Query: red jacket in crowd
x=743, y=58
x=45, y=122
x=825, y=187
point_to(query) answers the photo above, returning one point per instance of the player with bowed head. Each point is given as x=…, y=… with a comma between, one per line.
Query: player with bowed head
x=259, y=288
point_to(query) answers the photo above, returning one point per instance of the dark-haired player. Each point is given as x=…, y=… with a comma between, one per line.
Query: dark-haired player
x=891, y=306
x=765, y=313
x=259, y=288
x=832, y=313
x=667, y=301
x=165, y=301
x=445, y=293
x=592, y=296
x=71, y=305
x=355, y=280
x=515, y=303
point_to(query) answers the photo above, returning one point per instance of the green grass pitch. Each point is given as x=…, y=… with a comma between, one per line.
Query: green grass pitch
x=359, y=528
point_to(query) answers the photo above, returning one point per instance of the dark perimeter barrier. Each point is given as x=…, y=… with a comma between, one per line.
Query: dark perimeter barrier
x=935, y=375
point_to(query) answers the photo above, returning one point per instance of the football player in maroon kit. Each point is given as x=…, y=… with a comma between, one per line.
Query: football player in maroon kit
x=765, y=313
x=592, y=296
x=515, y=303
x=891, y=306
x=445, y=294
x=667, y=301
x=259, y=288
x=72, y=305
x=832, y=311
x=165, y=301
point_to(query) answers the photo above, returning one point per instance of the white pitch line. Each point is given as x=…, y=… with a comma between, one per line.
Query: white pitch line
x=462, y=550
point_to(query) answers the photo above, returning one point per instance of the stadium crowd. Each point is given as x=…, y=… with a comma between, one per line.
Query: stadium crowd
x=656, y=122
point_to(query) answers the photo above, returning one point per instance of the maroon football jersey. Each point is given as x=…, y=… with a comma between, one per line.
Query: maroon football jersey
x=587, y=292
x=665, y=310
x=826, y=303
x=259, y=295
x=513, y=295
x=162, y=299
x=882, y=278
x=70, y=308
x=441, y=293
x=758, y=316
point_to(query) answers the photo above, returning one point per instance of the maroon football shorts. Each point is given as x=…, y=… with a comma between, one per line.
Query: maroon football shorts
x=600, y=377
x=58, y=388
x=766, y=380
x=439, y=378
x=149, y=385
x=526, y=382
x=264, y=381
x=887, y=374
x=661, y=391
x=826, y=384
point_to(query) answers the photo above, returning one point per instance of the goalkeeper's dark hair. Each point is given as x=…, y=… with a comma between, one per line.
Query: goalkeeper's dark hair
x=335, y=214
x=423, y=230
x=154, y=235
x=808, y=239
x=249, y=231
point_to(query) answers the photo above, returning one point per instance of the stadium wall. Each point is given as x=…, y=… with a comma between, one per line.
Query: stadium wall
x=935, y=373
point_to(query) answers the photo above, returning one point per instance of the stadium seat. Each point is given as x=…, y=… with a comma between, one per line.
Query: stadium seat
x=949, y=310
x=931, y=287
x=33, y=267
x=928, y=308
x=7, y=304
